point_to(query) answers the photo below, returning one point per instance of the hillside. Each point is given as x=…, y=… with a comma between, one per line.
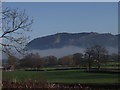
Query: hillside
x=82, y=40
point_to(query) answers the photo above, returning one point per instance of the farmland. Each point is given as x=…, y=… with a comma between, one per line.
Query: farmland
x=61, y=76
x=64, y=77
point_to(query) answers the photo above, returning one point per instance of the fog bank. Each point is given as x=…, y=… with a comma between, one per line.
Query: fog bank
x=69, y=50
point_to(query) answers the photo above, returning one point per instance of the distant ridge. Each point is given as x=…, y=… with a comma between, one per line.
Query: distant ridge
x=82, y=40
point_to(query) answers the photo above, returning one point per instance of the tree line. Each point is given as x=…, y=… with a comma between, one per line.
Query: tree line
x=92, y=57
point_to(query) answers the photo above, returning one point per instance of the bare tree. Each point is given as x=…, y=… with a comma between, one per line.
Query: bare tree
x=14, y=24
x=96, y=54
x=89, y=57
x=66, y=61
x=51, y=60
x=100, y=55
x=77, y=58
x=32, y=61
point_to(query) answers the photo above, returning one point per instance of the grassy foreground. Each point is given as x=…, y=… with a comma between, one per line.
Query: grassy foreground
x=61, y=76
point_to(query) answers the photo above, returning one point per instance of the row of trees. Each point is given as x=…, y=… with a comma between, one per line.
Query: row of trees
x=92, y=57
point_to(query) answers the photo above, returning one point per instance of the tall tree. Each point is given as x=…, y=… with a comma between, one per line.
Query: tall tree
x=66, y=60
x=51, y=60
x=100, y=55
x=32, y=61
x=89, y=57
x=77, y=58
x=96, y=54
x=14, y=24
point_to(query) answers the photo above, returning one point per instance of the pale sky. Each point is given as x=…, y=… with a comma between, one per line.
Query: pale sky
x=72, y=17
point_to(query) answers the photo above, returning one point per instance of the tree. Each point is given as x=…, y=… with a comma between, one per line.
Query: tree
x=89, y=57
x=12, y=60
x=51, y=60
x=96, y=54
x=32, y=61
x=66, y=60
x=100, y=54
x=14, y=24
x=77, y=58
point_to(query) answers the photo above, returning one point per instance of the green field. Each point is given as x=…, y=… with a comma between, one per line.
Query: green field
x=61, y=76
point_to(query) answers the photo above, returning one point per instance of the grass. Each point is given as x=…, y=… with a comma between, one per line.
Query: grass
x=61, y=76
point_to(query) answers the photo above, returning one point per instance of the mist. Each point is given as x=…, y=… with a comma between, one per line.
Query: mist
x=68, y=50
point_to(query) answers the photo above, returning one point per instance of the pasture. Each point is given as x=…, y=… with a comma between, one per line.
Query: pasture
x=60, y=76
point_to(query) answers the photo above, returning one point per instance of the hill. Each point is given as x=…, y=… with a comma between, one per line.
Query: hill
x=73, y=41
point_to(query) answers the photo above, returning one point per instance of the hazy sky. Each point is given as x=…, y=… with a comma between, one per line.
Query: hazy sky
x=50, y=17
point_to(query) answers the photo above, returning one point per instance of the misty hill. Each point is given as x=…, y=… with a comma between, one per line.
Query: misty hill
x=82, y=40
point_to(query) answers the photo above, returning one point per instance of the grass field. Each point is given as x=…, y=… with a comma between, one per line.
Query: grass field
x=61, y=76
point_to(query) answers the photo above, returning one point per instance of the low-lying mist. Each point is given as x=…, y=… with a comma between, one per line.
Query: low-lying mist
x=59, y=52
x=68, y=50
